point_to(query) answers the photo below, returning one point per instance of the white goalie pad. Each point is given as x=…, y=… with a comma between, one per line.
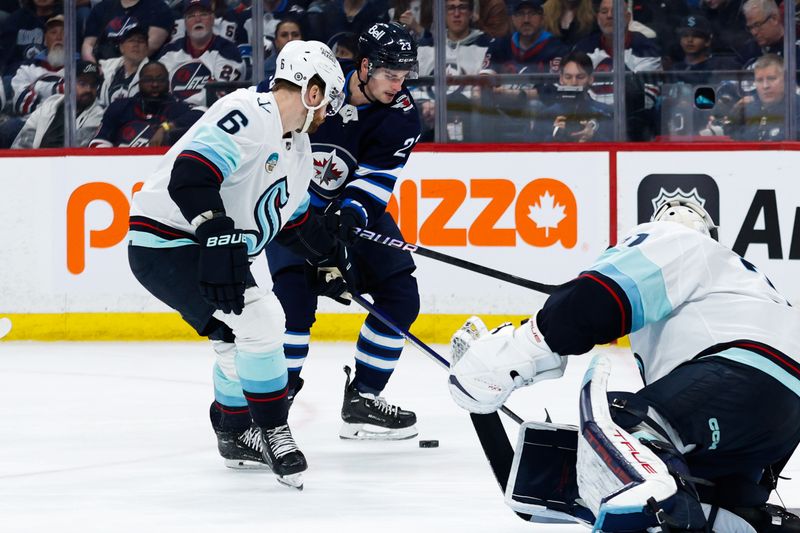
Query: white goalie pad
x=617, y=474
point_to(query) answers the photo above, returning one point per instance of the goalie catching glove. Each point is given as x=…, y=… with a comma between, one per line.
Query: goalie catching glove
x=496, y=363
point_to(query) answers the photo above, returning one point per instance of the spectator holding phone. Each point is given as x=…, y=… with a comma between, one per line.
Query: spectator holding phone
x=574, y=116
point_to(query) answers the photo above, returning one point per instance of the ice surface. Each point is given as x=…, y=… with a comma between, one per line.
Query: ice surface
x=114, y=437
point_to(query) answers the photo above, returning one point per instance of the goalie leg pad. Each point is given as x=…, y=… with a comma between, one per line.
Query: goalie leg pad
x=621, y=480
x=542, y=482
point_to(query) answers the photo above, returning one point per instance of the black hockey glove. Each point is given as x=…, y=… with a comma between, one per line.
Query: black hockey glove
x=341, y=221
x=335, y=276
x=223, y=264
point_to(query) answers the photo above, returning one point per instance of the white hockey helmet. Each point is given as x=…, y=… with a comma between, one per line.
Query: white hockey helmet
x=299, y=61
x=689, y=214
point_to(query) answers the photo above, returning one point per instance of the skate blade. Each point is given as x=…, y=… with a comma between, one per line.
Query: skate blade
x=294, y=481
x=242, y=464
x=369, y=432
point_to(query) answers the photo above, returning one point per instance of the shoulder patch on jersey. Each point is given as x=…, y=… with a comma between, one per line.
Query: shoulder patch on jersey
x=403, y=103
x=272, y=162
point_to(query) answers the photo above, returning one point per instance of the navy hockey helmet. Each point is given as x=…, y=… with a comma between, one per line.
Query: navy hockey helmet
x=388, y=45
x=689, y=214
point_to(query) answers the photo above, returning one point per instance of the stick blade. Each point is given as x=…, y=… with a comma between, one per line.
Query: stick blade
x=5, y=326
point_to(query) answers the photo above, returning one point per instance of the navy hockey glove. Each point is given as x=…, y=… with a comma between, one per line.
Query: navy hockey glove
x=335, y=276
x=341, y=222
x=327, y=281
x=224, y=264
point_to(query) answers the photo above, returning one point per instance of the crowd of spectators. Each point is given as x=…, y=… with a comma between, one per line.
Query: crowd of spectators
x=530, y=70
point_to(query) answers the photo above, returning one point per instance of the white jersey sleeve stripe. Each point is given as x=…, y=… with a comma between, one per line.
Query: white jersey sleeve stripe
x=302, y=208
x=377, y=192
x=218, y=147
x=642, y=282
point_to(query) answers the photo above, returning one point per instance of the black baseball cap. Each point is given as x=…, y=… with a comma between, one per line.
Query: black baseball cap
x=695, y=24
x=87, y=69
x=536, y=5
x=131, y=29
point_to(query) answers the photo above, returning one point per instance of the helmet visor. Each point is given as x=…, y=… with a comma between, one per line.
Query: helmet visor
x=395, y=73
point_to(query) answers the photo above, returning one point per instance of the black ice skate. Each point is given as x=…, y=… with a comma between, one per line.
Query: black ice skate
x=241, y=450
x=282, y=456
x=292, y=394
x=369, y=417
x=770, y=518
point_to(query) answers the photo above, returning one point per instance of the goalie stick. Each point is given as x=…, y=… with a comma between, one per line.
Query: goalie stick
x=491, y=434
x=418, y=344
x=455, y=261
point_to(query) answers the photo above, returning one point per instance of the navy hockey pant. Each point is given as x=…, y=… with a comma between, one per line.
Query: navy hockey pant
x=743, y=422
x=170, y=274
x=384, y=273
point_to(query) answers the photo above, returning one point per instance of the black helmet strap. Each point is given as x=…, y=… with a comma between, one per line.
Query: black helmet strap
x=363, y=83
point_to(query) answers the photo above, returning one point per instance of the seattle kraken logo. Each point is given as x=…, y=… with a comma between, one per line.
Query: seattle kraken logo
x=268, y=216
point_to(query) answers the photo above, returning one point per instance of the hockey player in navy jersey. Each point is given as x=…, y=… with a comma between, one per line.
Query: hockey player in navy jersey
x=717, y=346
x=358, y=156
x=236, y=180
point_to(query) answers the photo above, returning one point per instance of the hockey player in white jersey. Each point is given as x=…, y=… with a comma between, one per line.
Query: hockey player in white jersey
x=236, y=180
x=718, y=349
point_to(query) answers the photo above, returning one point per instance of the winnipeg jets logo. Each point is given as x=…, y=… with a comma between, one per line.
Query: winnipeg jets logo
x=114, y=33
x=403, y=103
x=189, y=79
x=267, y=215
x=330, y=171
x=678, y=194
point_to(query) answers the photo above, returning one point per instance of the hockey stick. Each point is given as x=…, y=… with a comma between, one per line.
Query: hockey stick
x=418, y=344
x=5, y=326
x=455, y=261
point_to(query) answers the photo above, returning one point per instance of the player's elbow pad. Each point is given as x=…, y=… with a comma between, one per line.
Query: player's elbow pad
x=583, y=313
x=194, y=188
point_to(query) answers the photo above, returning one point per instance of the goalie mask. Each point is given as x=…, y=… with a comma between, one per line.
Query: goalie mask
x=299, y=61
x=689, y=214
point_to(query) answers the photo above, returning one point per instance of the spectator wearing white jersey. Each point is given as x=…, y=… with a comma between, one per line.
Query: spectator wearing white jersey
x=36, y=80
x=45, y=127
x=200, y=57
x=122, y=73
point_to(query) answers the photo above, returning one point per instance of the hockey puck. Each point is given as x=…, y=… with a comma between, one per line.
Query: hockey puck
x=429, y=444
